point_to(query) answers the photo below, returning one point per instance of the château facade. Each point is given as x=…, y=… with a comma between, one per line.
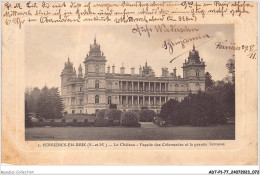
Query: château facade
x=100, y=86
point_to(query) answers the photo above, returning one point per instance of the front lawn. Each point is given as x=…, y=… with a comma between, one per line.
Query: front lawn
x=222, y=132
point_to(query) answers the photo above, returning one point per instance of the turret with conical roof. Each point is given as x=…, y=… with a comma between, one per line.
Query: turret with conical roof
x=95, y=52
x=147, y=70
x=95, y=60
x=68, y=69
x=80, y=74
x=67, y=74
x=193, y=61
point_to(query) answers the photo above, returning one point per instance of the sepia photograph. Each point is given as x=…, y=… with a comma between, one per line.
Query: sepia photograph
x=130, y=82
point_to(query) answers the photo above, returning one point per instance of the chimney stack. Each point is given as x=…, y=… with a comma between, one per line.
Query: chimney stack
x=122, y=69
x=108, y=69
x=132, y=71
x=113, y=69
x=174, y=72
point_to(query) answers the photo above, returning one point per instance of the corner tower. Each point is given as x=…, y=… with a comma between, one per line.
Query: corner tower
x=194, y=71
x=67, y=73
x=95, y=82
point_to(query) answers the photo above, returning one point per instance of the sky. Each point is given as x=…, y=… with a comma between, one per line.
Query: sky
x=47, y=48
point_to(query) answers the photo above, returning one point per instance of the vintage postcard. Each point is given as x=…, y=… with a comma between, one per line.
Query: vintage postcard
x=129, y=83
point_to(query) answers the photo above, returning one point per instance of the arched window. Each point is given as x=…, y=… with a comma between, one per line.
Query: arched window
x=97, y=69
x=109, y=100
x=97, y=84
x=80, y=88
x=197, y=73
x=97, y=99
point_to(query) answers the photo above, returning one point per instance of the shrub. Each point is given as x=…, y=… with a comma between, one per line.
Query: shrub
x=113, y=117
x=101, y=113
x=85, y=122
x=100, y=118
x=137, y=112
x=144, y=107
x=129, y=119
x=147, y=115
x=101, y=122
x=113, y=114
x=112, y=106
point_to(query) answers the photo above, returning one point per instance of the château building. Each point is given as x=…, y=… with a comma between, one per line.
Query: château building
x=100, y=86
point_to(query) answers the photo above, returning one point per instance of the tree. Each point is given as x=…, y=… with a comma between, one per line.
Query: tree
x=129, y=119
x=32, y=96
x=224, y=94
x=147, y=115
x=167, y=110
x=208, y=80
x=43, y=109
x=50, y=104
x=28, y=120
x=231, y=68
x=195, y=109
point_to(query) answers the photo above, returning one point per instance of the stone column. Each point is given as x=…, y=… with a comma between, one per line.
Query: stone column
x=138, y=100
x=126, y=100
x=149, y=98
x=132, y=99
x=138, y=84
x=160, y=87
x=160, y=98
x=132, y=86
x=149, y=86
